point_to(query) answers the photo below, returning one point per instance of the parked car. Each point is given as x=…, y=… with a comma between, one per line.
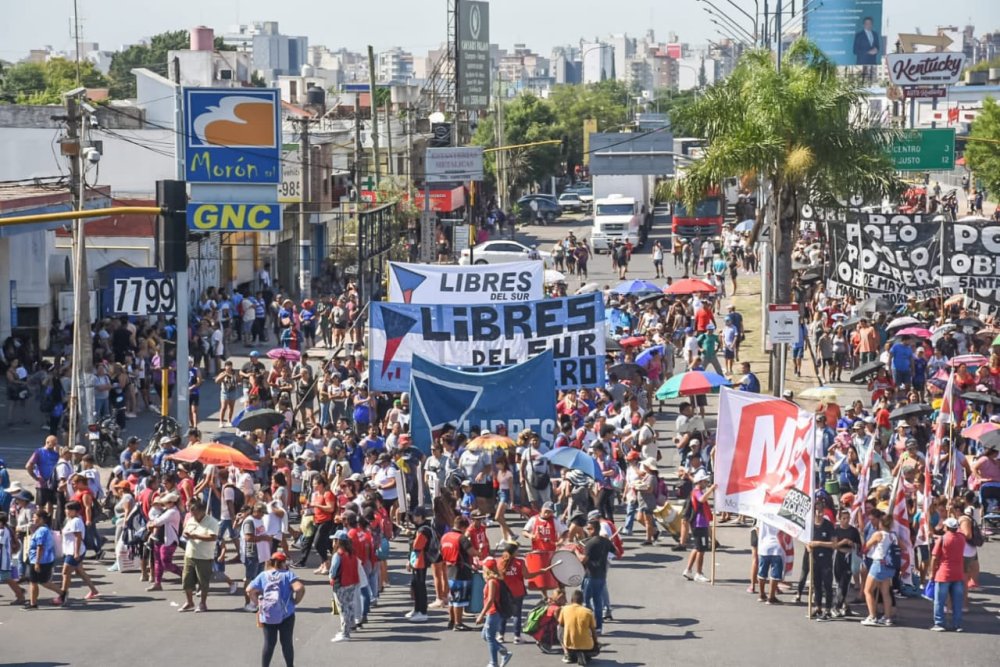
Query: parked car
x=586, y=194
x=539, y=208
x=500, y=251
x=570, y=201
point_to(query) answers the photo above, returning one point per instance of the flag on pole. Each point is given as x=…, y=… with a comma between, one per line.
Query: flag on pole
x=944, y=419
x=864, y=487
x=901, y=526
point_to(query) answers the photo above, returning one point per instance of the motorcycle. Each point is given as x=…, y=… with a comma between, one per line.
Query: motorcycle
x=105, y=441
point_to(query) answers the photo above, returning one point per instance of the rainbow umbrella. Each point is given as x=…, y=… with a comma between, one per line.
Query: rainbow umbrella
x=692, y=383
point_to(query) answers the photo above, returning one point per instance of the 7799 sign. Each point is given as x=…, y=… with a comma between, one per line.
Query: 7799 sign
x=145, y=296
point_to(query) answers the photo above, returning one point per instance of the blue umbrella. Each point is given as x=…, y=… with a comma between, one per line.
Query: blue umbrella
x=745, y=226
x=636, y=287
x=647, y=354
x=575, y=459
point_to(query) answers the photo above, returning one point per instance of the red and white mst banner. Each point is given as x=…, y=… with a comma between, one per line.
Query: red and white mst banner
x=764, y=461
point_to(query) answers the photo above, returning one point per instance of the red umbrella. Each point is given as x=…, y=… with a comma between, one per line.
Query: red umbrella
x=919, y=332
x=689, y=286
x=214, y=453
x=632, y=341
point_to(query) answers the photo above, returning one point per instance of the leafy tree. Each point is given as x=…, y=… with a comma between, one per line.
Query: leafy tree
x=606, y=102
x=800, y=130
x=982, y=152
x=44, y=83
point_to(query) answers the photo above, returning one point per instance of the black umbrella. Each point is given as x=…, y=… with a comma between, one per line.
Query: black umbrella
x=973, y=322
x=264, y=419
x=627, y=370
x=990, y=440
x=851, y=323
x=811, y=275
x=981, y=397
x=611, y=345
x=875, y=304
x=862, y=372
x=650, y=299
x=239, y=443
x=911, y=410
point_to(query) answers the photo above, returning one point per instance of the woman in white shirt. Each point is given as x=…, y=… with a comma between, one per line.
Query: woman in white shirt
x=73, y=548
x=880, y=574
x=164, y=529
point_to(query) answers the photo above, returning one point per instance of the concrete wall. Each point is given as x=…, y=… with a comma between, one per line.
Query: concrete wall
x=41, y=116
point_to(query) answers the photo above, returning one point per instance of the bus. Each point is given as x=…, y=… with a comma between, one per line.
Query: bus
x=704, y=221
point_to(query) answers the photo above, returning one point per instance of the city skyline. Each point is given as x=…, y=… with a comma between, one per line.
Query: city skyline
x=32, y=25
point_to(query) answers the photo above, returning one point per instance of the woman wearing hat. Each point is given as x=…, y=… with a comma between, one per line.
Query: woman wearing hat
x=499, y=655
x=164, y=526
x=345, y=577
x=275, y=592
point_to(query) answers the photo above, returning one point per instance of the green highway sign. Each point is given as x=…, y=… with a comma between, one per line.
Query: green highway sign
x=924, y=150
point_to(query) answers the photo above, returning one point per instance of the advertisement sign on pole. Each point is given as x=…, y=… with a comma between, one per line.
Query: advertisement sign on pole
x=482, y=283
x=232, y=135
x=483, y=338
x=290, y=189
x=447, y=165
x=783, y=322
x=213, y=217
x=925, y=69
x=849, y=32
x=764, y=454
x=473, y=53
x=518, y=397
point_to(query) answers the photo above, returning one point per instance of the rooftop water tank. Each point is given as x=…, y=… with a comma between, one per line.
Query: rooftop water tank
x=202, y=39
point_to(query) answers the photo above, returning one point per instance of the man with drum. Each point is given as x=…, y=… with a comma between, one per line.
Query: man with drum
x=545, y=531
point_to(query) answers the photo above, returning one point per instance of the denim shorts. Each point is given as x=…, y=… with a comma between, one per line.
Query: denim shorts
x=771, y=567
x=72, y=562
x=503, y=496
x=880, y=571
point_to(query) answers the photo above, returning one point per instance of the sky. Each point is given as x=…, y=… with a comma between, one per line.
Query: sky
x=419, y=25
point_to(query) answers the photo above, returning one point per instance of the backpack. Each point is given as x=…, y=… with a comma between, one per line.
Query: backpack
x=506, y=605
x=977, y=539
x=136, y=531
x=893, y=556
x=432, y=553
x=534, y=618
x=272, y=607
x=239, y=498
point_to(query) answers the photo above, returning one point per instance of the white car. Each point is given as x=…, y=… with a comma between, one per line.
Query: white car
x=500, y=251
x=570, y=201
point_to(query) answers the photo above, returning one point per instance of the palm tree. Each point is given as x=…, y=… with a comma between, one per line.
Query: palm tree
x=804, y=131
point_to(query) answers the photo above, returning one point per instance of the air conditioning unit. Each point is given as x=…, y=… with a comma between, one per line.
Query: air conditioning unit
x=225, y=74
x=66, y=309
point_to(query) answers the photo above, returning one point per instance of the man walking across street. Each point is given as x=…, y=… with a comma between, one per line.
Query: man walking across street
x=949, y=580
x=200, y=531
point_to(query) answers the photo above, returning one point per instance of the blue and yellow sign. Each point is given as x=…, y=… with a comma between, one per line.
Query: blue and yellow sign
x=203, y=217
x=232, y=135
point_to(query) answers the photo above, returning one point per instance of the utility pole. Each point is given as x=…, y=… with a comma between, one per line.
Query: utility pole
x=183, y=295
x=410, y=113
x=80, y=406
x=374, y=108
x=357, y=147
x=390, y=169
x=305, y=241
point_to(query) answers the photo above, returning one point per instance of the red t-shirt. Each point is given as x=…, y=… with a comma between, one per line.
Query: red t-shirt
x=480, y=541
x=948, y=551
x=491, y=589
x=347, y=575
x=326, y=498
x=513, y=576
x=702, y=318
x=544, y=537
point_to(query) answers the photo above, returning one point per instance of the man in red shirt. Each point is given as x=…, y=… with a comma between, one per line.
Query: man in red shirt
x=703, y=317
x=423, y=537
x=949, y=579
x=513, y=571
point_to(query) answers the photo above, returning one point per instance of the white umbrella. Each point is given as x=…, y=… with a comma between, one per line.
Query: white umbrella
x=589, y=288
x=903, y=322
x=745, y=226
x=553, y=276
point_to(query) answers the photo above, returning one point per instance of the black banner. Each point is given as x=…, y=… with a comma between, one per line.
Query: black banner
x=972, y=261
x=895, y=256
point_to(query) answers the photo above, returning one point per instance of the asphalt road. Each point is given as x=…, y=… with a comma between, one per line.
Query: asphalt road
x=659, y=616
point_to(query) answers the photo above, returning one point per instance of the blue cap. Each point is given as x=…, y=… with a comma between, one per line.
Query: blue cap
x=341, y=535
x=3, y=464
x=710, y=327
x=689, y=330
x=254, y=353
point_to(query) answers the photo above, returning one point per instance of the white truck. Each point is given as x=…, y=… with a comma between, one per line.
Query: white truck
x=620, y=205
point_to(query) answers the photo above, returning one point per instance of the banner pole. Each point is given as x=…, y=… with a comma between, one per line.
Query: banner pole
x=715, y=516
x=812, y=578
x=941, y=270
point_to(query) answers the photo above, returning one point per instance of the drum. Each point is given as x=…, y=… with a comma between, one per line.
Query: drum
x=566, y=566
x=536, y=561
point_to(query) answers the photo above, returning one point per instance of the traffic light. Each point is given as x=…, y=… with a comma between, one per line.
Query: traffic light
x=171, y=226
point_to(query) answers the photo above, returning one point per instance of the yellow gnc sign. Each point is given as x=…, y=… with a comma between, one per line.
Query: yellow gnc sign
x=234, y=217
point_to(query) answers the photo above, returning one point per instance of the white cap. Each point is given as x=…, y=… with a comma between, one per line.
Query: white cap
x=79, y=449
x=701, y=476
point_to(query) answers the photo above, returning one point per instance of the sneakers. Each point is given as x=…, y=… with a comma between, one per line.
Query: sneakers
x=58, y=601
x=937, y=628
x=250, y=606
x=233, y=588
x=418, y=618
x=437, y=604
x=870, y=621
x=887, y=622
x=339, y=637
x=154, y=587
x=500, y=638
x=92, y=595
x=505, y=659
x=686, y=574
x=410, y=613
x=517, y=639
x=186, y=607
x=200, y=609
x=701, y=578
